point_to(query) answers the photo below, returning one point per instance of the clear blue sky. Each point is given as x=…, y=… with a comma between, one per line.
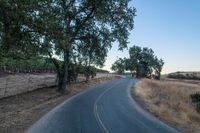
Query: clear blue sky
x=171, y=28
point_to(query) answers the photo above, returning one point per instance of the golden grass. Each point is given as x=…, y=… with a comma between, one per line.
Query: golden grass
x=170, y=101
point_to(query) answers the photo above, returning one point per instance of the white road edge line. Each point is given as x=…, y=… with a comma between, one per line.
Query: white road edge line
x=102, y=126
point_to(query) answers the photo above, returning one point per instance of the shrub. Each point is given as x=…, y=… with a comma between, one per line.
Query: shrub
x=198, y=107
x=195, y=97
x=196, y=100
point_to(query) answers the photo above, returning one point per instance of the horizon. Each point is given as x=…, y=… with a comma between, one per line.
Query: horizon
x=170, y=28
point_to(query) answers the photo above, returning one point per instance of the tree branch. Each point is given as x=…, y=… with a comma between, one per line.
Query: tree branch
x=78, y=28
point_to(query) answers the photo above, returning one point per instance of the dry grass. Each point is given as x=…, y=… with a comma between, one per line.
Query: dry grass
x=18, y=112
x=170, y=101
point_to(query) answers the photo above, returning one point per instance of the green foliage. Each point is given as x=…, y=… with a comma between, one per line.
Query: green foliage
x=89, y=72
x=195, y=97
x=198, y=107
x=31, y=63
x=75, y=69
x=196, y=100
x=16, y=37
x=142, y=61
x=101, y=71
x=119, y=65
x=44, y=63
x=75, y=30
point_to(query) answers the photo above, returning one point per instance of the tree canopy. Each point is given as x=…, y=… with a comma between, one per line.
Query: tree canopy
x=119, y=65
x=142, y=62
x=78, y=31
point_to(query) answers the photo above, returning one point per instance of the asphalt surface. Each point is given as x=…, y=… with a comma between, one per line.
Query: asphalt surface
x=105, y=108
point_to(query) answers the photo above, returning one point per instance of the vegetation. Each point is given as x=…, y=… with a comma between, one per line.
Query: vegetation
x=185, y=75
x=196, y=100
x=36, y=62
x=119, y=65
x=41, y=64
x=80, y=32
x=142, y=62
x=170, y=101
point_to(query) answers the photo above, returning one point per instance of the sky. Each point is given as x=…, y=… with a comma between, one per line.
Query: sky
x=171, y=28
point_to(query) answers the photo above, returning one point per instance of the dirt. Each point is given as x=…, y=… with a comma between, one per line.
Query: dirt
x=19, y=112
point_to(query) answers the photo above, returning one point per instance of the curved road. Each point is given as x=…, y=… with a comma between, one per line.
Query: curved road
x=105, y=108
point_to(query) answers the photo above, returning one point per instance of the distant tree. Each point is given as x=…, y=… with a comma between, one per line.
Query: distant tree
x=91, y=51
x=146, y=62
x=134, y=60
x=142, y=61
x=119, y=65
x=158, y=64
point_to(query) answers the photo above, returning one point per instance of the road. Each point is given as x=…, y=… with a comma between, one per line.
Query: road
x=105, y=108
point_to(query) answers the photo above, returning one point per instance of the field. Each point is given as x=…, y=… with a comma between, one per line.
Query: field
x=185, y=75
x=169, y=100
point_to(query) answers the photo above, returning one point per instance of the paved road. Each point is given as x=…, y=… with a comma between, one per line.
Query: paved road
x=105, y=108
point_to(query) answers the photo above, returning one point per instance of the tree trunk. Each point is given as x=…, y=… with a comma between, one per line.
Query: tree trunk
x=137, y=72
x=63, y=75
x=62, y=72
x=132, y=75
x=158, y=75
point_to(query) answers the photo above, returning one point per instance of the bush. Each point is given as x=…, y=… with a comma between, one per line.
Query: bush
x=195, y=97
x=198, y=107
x=196, y=100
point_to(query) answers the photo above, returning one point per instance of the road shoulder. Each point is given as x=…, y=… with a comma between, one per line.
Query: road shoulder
x=21, y=111
x=169, y=101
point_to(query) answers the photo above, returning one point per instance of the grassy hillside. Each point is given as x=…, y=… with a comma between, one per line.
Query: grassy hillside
x=170, y=100
x=185, y=75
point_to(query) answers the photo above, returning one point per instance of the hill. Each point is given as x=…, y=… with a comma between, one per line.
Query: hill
x=185, y=75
